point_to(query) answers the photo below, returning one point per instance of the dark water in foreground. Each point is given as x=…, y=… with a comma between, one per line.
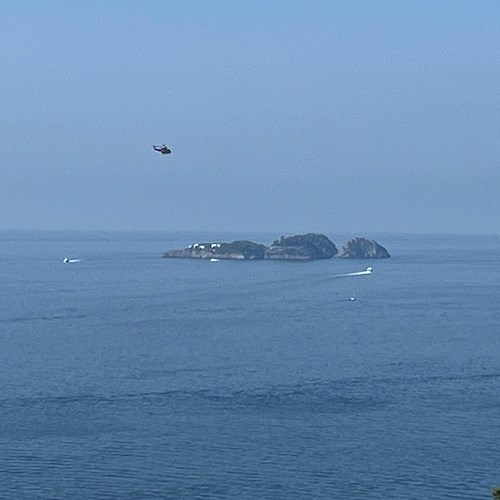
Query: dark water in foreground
x=129, y=376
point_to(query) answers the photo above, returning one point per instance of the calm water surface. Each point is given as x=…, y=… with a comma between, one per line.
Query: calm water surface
x=130, y=376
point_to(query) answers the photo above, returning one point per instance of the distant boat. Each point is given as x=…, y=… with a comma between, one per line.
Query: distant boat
x=369, y=270
x=214, y=260
x=71, y=261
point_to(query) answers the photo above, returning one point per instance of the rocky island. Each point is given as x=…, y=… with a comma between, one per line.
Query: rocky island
x=361, y=248
x=301, y=247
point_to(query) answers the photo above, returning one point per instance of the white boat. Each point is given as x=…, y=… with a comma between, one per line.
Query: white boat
x=71, y=261
x=369, y=270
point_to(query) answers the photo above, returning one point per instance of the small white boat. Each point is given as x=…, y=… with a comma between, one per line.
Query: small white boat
x=369, y=270
x=71, y=261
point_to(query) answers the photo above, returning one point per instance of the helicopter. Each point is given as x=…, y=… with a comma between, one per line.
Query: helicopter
x=164, y=150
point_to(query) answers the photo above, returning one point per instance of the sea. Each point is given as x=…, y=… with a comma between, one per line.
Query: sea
x=128, y=376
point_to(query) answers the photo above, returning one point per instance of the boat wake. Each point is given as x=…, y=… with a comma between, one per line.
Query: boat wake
x=369, y=270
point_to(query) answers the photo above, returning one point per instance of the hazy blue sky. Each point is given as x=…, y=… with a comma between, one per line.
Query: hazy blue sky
x=294, y=116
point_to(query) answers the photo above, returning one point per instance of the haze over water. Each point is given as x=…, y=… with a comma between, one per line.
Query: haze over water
x=131, y=376
x=299, y=116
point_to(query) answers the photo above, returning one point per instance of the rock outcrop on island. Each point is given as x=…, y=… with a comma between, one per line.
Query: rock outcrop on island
x=301, y=247
x=361, y=248
x=237, y=250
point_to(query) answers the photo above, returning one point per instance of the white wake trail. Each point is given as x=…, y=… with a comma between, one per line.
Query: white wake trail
x=369, y=270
